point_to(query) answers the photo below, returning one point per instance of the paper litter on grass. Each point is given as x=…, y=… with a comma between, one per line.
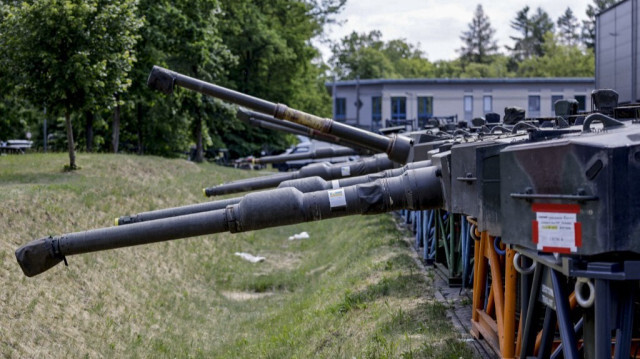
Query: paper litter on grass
x=250, y=257
x=301, y=235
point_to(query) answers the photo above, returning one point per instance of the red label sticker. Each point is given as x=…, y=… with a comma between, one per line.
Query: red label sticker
x=556, y=228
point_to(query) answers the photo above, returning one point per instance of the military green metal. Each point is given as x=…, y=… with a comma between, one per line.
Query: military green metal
x=586, y=182
x=415, y=189
x=304, y=185
x=177, y=211
x=275, y=125
x=263, y=121
x=320, y=153
x=566, y=108
x=397, y=147
x=604, y=101
x=324, y=170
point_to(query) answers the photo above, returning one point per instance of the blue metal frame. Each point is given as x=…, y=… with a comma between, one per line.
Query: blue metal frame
x=398, y=108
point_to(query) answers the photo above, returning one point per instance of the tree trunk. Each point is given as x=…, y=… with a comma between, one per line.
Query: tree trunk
x=115, y=127
x=139, y=129
x=88, y=130
x=70, y=145
x=199, y=151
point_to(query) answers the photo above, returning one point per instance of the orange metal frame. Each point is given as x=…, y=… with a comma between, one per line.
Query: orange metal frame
x=496, y=322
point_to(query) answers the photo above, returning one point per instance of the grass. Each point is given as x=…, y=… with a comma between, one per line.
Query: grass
x=351, y=290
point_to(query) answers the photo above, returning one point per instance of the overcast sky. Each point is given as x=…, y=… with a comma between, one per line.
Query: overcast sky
x=437, y=25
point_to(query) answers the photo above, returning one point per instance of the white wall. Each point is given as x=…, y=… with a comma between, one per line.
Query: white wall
x=448, y=97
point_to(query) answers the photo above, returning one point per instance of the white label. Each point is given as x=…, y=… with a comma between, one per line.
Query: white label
x=556, y=230
x=547, y=297
x=337, y=198
x=335, y=184
x=346, y=171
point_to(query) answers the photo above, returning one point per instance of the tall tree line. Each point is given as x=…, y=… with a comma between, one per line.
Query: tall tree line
x=86, y=63
x=541, y=46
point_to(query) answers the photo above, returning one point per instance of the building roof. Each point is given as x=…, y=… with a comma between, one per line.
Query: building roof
x=470, y=81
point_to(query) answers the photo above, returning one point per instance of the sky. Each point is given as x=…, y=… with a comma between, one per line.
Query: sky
x=436, y=24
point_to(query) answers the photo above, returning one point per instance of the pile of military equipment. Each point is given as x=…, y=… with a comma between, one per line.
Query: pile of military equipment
x=539, y=216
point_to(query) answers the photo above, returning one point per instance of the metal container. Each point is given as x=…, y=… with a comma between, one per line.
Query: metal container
x=575, y=195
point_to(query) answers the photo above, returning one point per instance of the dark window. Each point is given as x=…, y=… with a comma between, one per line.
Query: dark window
x=301, y=149
x=534, y=106
x=555, y=98
x=341, y=108
x=582, y=102
x=376, y=109
x=487, y=104
x=425, y=108
x=398, y=108
x=468, y=107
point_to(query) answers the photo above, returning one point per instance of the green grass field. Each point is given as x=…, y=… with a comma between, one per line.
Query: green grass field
x=351, y=290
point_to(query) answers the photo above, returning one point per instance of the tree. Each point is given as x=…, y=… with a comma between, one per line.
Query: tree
x=589, y=25
x=558, y=61
x=183, y=36
x=276, y=61
x=368, y=56
x=200, y=53
x=523, y=47
x=532, y=29
x=360, y=55
x=541, y=24
x=69, y=56
x=568, y=28
x=478, y=42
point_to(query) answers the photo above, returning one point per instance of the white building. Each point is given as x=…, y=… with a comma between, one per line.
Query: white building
x=416, y=100
x=618, y=50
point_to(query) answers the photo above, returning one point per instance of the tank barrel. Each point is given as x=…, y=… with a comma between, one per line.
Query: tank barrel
x=304, y=185
x=324, y=170
x=249, y=184
x=397, y=147
x=415, y=189
x=176, y=211
x=261, y=120
x=327, y=152
x=281, y=127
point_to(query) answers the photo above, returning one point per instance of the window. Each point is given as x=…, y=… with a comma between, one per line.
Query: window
x=554, y=98
x=582, y=102
x=534, y=106
x=425, y=108
x=398, y=108
x=376, y=109
x=487, y=104
x=341, y=108
x=301, y=149
x=468, y=107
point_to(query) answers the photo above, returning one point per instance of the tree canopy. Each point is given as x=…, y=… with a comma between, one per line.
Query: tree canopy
x=86, y=62
x=70, y=55
x=367, y=56
x=478, y=43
